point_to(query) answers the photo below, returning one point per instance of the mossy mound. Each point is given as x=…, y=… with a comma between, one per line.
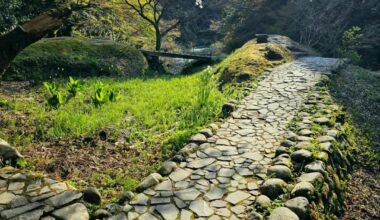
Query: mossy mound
x=250, y=61
x=62, y=57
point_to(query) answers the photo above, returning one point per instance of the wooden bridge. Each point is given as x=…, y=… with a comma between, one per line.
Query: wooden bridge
x=176, y=55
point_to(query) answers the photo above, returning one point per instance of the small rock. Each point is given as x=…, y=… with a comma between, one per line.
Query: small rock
x=214, y=126
x=201, y=208
x=168, y=212
x=283, y=213
x=299, y=205
x=237, y=197
x=273, y=187
x=316, y=166
x=324, y=139
x=255, y=216
x=279, y=171
x=322, y=120
x=263, y=202
x=188, y=194
x=6, y=198
x=152, y=180
x=200, y=163
x=8, y=152
x=214, y=194
x=322, y=156
x=127, y=196
x=179, y=175
x=101, y=214
x=326, y=147
x=312, y=178
x=167, y=168
x=10, y=213
x=304, y=189
x=120, y=216
x=305, y=132
x=301, y=155
x=305, y=145
x=92, y=195
x=19, y=201
x=288, y=143
x=199, y=138
x=178, y=158
x=282, y=150
x=283, y=159
x=207, y=132
x=64, y=198
x=140, y=199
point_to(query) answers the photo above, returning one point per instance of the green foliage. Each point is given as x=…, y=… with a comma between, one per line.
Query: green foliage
x=99, y=98
x=16, y=12
x=61, y=57
x=74, y=86
x=350, y=42
x=55, y=98
x=114, y=96
x=21, y=162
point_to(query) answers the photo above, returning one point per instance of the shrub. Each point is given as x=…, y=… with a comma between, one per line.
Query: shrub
x=349, y=45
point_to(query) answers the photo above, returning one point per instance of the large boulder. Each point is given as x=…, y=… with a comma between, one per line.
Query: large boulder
x=9, y=153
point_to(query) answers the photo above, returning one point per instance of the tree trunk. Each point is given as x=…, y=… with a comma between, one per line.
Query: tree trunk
x=155, y=60
x=15, y=41
x=158, y=38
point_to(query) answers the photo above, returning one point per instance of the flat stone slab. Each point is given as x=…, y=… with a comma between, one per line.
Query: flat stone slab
x=168, y=212
x=237, y=197
x=75, y=211
x=201, y=208
x=200, y=163
x=179, y=175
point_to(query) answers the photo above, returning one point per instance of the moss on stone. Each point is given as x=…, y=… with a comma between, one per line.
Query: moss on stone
x=250, y=61
x=63, y=57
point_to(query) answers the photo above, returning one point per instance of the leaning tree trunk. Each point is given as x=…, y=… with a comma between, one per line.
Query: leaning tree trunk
x=15, y=41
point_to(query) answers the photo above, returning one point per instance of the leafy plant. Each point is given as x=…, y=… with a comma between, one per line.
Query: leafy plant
x=113, y=96
x=55, y=98
x=100, y=97
x=74, y=86
x=350, y=41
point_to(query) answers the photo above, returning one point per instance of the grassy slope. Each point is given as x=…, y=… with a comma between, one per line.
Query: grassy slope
x=61, y=57
x=162, y=113
x=358, y=90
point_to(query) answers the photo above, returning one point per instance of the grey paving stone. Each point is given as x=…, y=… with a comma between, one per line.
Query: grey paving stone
x=64, y=198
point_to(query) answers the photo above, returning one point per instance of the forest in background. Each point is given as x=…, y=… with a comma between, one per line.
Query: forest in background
x=339, y=28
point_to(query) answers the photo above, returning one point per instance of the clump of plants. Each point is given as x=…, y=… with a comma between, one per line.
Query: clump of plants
x=57, y=98
x=102, y=95
x=74, y=86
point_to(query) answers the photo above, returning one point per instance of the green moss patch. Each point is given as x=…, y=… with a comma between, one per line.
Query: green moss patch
x=250, y=61
x=63, y=57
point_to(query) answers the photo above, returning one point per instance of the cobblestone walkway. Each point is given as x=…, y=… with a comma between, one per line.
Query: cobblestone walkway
x=221, y=179
x=218, y=179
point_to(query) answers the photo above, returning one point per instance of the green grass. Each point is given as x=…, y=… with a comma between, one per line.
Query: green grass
x=160, y=109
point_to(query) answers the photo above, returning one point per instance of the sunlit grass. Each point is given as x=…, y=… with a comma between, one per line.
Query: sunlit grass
x=155, y=109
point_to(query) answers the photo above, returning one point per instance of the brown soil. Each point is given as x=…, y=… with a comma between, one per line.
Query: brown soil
x=364, y=196
x=78, y=159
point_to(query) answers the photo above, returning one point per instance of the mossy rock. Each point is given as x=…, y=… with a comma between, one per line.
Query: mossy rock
x=250, y=61
x=63, y=57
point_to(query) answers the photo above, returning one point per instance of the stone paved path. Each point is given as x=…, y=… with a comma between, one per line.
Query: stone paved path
x=222, y=178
